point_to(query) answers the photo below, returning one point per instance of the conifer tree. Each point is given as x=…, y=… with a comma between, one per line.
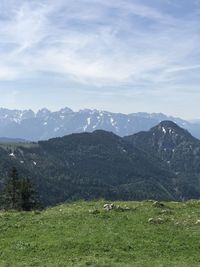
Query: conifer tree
x=19, y=193
x=28, y=196
x=11, y=194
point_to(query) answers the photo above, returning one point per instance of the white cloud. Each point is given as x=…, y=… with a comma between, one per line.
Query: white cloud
x=96, y=42
x=8, y=73
x=183, y=68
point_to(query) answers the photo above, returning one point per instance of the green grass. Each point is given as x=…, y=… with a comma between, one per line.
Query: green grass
x=76, y=235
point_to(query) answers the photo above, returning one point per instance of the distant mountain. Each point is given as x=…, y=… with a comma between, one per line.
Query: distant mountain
x=45, y=124
x=163, y=163
x=7, y=140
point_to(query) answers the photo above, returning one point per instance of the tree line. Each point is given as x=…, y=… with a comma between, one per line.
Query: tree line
x=18, y=193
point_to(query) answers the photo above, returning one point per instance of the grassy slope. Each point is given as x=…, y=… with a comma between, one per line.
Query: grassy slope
x=70, y=235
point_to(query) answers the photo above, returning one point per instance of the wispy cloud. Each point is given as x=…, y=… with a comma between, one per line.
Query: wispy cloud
x=93, y=41
x=101, y=43
x=183, y=68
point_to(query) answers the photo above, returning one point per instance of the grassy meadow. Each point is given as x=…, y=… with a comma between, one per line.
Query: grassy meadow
x=84, y=234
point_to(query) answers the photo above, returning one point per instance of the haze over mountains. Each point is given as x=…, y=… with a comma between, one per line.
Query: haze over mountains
x=162, y=163
x=25, y=124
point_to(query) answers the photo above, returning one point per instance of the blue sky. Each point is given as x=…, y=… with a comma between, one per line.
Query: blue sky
x=118, y=55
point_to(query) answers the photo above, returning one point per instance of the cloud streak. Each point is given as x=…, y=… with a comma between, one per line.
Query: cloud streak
x=100, y=43
x=87, y=41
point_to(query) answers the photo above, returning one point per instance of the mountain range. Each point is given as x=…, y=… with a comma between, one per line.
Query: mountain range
x=162, y=163
x=43, y=125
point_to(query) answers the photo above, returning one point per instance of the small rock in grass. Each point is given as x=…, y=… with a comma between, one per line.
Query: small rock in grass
x=156, y=220
x=119, y=208
x=109, y=207
x=150, y=220
x=197, y=222
x=158, y=204
x=166, y=212
x=127, y=208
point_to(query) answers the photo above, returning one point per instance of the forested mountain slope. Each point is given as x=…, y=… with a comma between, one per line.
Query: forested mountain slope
x=155, y=164
x=178, y=149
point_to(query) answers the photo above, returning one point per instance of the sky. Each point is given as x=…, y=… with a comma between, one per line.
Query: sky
x=116, y=55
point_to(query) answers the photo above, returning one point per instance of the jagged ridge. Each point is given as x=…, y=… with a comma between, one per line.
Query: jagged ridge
x=46, y=124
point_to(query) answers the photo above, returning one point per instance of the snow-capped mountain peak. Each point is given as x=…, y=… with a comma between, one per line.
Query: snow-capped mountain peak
x=44, y=124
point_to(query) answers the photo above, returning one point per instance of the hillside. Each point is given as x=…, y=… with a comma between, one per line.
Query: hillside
x=84, y=234
x=89, y=166
x=178, y=149
x=162, y=163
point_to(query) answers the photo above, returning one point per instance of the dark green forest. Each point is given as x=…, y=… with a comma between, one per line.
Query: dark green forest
x=161, y=164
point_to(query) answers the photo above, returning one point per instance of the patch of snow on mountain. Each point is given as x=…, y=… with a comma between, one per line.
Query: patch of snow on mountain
x=112, y=121
x=56, y=129
x=85, y=127
x=88, y=121
x=164, y=130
